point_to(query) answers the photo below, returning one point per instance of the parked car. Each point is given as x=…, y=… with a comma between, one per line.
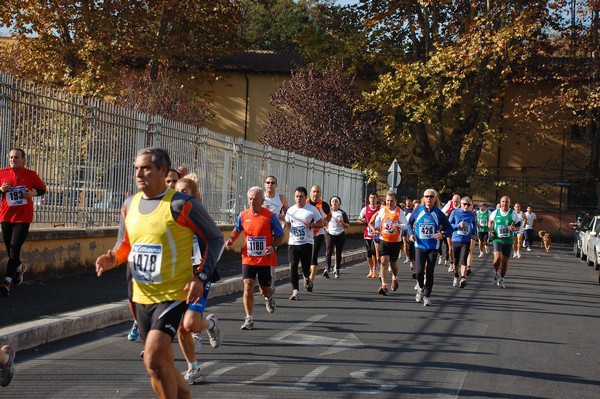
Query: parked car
x=593, y=246
x=581, y=227
x=586, y=236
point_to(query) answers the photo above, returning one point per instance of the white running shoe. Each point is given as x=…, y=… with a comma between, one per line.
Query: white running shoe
x=295, y=296
x=417, y=287
x=501, y=283
x=455, y=282
x=248, y=324
x=463, y=282
x=192, y=376
x=439, y=260
x=518, y=254
x=426, y=301
x=514, y=255
x=419, y=296
x=481, y=254
x=197, y=342
x=270, y=304
x=528, y=249
x=215, y=335
x=450, y=269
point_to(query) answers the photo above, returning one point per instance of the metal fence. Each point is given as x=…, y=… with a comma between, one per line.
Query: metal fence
x=83, y=149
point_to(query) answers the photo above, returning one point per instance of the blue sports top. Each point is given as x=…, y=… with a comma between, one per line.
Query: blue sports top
x=424, y=223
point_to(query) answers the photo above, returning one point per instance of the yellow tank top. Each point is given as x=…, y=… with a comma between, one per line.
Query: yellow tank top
x=160, y=253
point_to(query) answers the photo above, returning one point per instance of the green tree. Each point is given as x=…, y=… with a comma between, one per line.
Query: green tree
x=84, y=45
x=450, y=65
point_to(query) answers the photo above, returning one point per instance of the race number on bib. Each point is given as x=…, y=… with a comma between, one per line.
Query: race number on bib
x=145, y=261
x=483, y=222
x=16, y=196
x=298, y=232
x=503, y=231
x=256, y=246
x=426, y=231
x=464, y=231
x=390, y=226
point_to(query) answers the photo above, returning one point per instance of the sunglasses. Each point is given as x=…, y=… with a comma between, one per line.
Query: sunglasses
x=466, y=203
x=429, y=196
x=270, y=182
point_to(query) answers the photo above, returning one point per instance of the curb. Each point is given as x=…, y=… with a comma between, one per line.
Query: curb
x=53, y=328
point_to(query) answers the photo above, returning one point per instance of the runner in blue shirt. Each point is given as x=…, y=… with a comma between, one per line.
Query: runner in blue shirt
x=465, y=229
x=426, y=226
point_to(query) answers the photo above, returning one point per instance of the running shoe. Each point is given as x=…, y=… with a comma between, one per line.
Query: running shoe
x=414, y=275
x=394, y=284
x=337, y=274
x=487, y=251
x=5, y=288
x=440, y=260
x=406, y=260
x=450, y=269
x=383, y=290
x=326, y=273
x=197, y=342
x=215, y=336
x=270, y=304
x=514, y=255
x=417, y=287
x=495, y=278
x=308, y=284
x=20, y=274
x=370, y=275
x=518, y=254
x=134, y=333
x=481, y=254
x=193, y=376
x=463, y=282
x=419, y=296
x=7, y=371
x=295, y=296
x=524, y=244
x=468, y=271
x=248, y=324
x=426, y=301
x=455, y=282
x=501, y=283
x=528, y=249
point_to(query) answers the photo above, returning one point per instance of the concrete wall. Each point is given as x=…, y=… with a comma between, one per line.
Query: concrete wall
x=55, y=251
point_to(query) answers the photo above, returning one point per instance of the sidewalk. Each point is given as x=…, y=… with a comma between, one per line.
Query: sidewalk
x=41, y=311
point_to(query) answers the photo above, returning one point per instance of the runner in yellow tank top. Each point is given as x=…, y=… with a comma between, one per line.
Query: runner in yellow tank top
x=155, y=238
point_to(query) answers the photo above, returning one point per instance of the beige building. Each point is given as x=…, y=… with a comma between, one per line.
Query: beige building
x=240, y=95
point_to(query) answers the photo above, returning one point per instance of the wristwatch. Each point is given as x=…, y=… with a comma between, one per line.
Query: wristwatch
x=202, y=276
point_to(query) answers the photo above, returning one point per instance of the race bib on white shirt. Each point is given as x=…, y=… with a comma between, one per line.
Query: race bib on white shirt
x=256, y=246
x=145, y=261
x=299, y=232
x=426, y=231
x=16, y=196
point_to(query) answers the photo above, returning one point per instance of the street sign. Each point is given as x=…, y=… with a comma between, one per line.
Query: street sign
x=564, y=183
x=394, y=177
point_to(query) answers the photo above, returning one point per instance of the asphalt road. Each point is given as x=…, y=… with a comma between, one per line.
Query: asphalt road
x=538, y=338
